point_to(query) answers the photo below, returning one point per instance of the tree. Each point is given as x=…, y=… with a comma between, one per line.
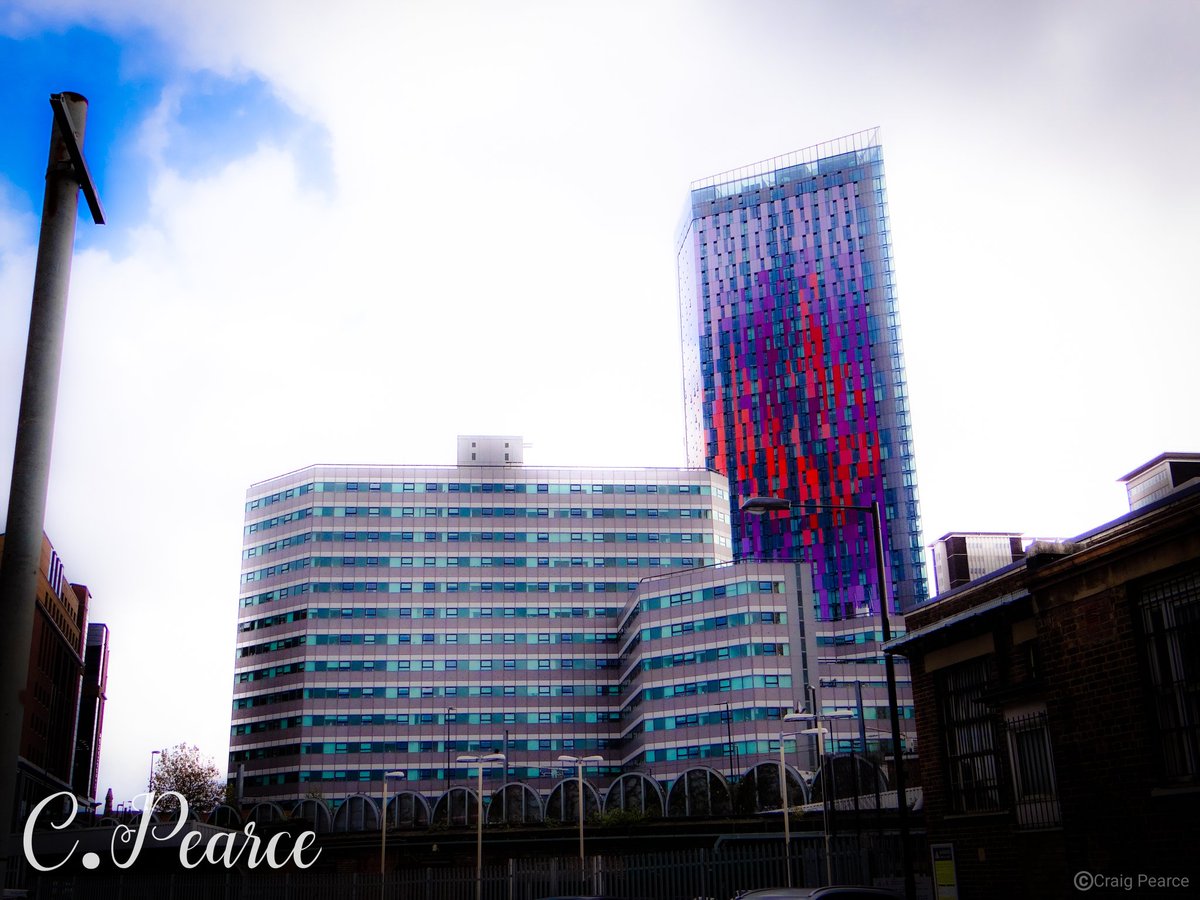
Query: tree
x=197, y=778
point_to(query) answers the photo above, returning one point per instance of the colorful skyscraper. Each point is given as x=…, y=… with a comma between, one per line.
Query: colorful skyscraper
x=794, y=365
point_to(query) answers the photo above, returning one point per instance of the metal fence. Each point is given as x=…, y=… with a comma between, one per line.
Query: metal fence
x=735, y=864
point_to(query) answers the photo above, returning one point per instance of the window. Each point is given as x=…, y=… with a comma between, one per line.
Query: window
x=1034, y=788
x=968, y=726
x=1170, y=617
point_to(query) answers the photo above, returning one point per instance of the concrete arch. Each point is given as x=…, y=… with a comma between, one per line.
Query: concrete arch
x=758, y=790
x=356, y=813
x=225, y=816
x=699, y=791
x=563, y=803
x=265, y=812
x=408, y=810
x=515, y=804
x=456, y=807
x=315, y=812
x=848, y=774
x=636, y=792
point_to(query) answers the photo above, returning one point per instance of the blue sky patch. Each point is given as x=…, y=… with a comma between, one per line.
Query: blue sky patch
x=217, y=120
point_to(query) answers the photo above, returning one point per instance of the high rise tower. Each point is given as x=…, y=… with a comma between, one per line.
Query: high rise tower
x=794, y=365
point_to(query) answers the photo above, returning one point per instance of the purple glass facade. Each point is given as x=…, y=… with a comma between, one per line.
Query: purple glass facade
x=794, y=369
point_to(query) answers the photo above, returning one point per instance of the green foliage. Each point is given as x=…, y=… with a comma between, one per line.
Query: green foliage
x=617, y=818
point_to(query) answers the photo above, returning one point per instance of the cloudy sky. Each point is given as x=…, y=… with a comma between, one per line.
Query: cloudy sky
x=349, y=236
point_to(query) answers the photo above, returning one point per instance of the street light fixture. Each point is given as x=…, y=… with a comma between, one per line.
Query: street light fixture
x=786, y=806
x=150, y=783
x=449, y=710
x=759, y=506
x=480, y=761
x=579, y=762
x=383, y=829
x=820, y=732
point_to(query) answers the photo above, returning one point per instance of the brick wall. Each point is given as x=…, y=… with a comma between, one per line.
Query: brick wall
x=1119, y=816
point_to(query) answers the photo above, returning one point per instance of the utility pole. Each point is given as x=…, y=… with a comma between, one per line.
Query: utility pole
x=66, y=174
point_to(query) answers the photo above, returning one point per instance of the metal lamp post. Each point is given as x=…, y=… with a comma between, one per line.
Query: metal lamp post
x=820, y=731
x=579, y=762
x=150, y=783
x=763, y=505
x=787, y=825
x=383, y=829
x=449, y=711
x=480, y=761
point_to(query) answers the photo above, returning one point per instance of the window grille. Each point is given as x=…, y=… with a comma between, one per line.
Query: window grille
x=969, y=727
x=1170, y=616
x=1034, y=785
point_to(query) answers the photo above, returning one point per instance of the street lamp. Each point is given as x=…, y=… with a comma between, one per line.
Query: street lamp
x=579, y=762
x=759, y=506
x=150, y=783
x=383, y=828
x=787, y=825
x=819, y=731
x=449, y=710
x=480, y=761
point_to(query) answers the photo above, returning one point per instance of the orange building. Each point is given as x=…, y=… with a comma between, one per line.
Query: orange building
x=51, y=698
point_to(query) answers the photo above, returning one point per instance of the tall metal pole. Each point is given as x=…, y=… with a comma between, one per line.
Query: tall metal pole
x=579, y=762
x=150, y=783
x=885, y=601
x=481, y=761
x=729, y=737
x=383, y=829
x=383, y=838
x=825, y=789
x=479, y=836
x=762, y=505
x=582, y=858
x=66, y=173
x=787, y=827
x=449, y=710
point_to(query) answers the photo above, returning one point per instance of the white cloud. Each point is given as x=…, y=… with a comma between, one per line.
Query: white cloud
x=496, y=254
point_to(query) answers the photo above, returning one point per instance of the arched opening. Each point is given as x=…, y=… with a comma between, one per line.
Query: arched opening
x=408, y=810
x=638, y=793
x=848, y=775
x=759, y=789
x=515, y=804
x=356, y=813
x=700, y=791
x=225, y=816
x=455, y=808
x=563, y=803
x=314, y=813
x=265, y=813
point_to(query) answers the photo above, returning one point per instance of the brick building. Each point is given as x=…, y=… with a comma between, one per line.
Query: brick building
x=1058, y=709
x=50, y=726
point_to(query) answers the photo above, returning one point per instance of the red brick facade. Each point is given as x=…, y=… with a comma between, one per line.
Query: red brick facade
x=1063, y=632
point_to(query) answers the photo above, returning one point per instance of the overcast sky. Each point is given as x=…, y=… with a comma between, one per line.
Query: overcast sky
x=348, y=236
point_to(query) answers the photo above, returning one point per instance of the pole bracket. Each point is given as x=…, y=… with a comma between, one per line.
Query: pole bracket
x=66, y=128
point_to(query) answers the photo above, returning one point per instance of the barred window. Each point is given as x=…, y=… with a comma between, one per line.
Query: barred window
x=1170, y=616
x=1034, y=786
x=969, y=727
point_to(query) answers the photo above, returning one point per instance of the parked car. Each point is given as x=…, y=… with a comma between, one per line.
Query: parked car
x=829, y=892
